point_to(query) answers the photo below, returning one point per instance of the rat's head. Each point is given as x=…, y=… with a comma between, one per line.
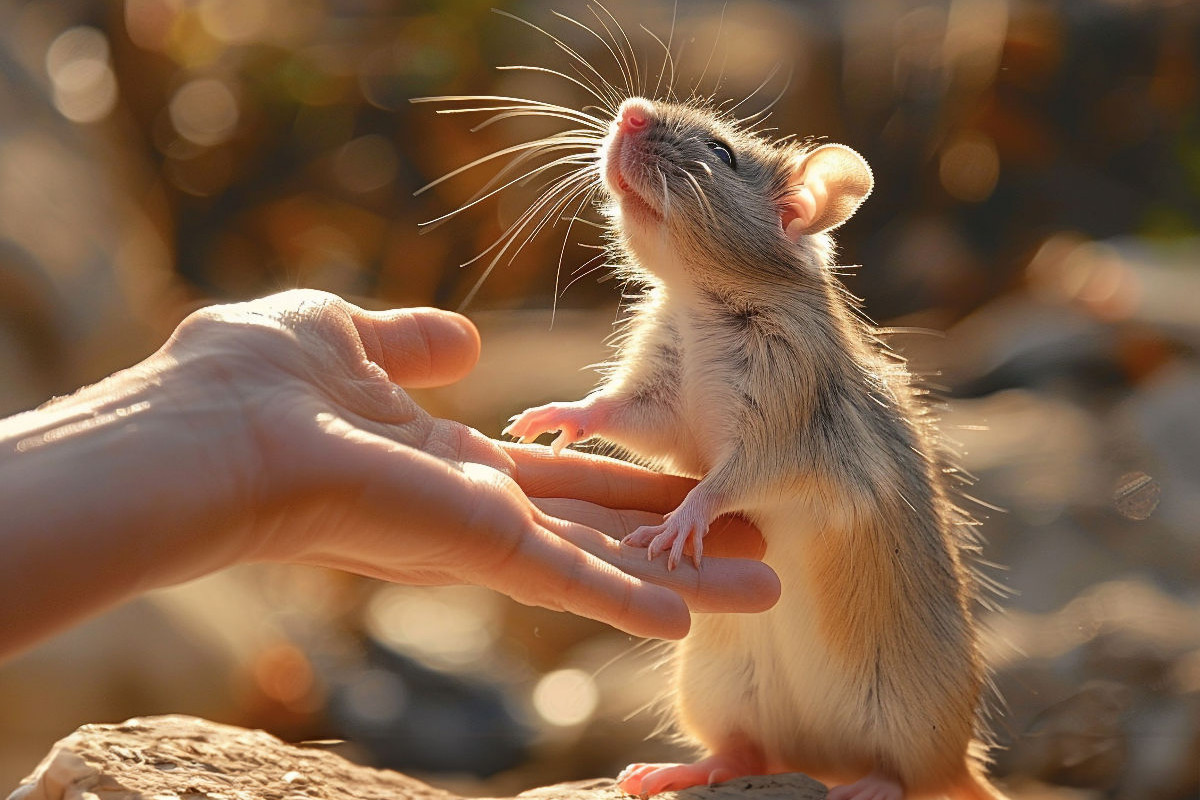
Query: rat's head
x=692, y=190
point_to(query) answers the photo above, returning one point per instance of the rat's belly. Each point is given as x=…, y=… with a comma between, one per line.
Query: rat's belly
x=770, y=676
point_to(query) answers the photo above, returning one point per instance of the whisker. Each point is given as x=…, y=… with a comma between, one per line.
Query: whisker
x=558, y=211
x=578, y=115
x=509, y=234
x=557, y=207
x=514, y=230
x=622, y=65
x=519, y=112
x=699, y=193
x=760, y=87
x=622, y=61
x=555, y=187
x=671, y=41
x=581, y=161
x=604, y=250
x=636, y=87
x=550, y=145
x=518, y=102
x=711, y=52
x=556, y=162
x=721, y=73
x=490, y=98
x=666, y=58
x=577, y=274
x=558, y=43
x=683, y=49
x=593, y=123
x=538, y=146
x=562, y=183
x=587, y=87
x=766, y=115
x=767, y=109
x=585, y=197
x=591, y=223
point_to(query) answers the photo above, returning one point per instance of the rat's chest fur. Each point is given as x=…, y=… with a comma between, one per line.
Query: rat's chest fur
x=779, y=372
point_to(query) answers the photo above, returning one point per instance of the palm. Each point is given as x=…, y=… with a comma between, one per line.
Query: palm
x=351, y=473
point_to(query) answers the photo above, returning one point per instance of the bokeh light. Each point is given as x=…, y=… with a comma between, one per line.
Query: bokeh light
x=235, y=21
x=445, y=628
x=376, y=696
x=566, y=697
x=970, y=167
x=365, y=164
x=84, y=86
x=204, y=111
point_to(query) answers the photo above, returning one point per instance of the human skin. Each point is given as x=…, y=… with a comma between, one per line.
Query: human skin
x=277, y=431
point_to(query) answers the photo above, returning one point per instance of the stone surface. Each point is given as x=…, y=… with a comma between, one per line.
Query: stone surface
x=186, y=758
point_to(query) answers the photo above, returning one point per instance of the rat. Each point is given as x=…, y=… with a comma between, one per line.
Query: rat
x=745, y=363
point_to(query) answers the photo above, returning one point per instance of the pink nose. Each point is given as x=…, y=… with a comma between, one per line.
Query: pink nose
x=634, y=117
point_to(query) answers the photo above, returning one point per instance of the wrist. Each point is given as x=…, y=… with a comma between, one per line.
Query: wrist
x=128, y=485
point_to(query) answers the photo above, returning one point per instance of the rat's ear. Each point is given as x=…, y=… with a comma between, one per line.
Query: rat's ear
x=826, y=187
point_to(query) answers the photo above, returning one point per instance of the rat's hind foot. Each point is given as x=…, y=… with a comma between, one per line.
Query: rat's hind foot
x=575, y=421
x=645, y=780
x=872, y=787
x=737, y=758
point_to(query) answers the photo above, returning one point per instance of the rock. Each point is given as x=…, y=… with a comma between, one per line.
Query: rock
x=186, y=758
x=1105, y=693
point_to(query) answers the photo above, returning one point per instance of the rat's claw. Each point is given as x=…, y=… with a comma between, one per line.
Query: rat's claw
x=564, y=439
x=673, y=540
x=572, y=422
x=642, y=536
x=679, y=527
x=655, y=538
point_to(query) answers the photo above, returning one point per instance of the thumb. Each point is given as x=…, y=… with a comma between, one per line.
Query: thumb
x=418, y=347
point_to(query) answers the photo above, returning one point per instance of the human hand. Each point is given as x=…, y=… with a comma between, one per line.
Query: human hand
x=339, y=467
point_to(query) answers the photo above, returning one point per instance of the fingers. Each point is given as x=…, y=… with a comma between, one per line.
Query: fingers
x=551, y=572
x=594, y=479
x=729, y=537
x=720, y=585
x=424, y=515
x=614, y=522
x=418, y=347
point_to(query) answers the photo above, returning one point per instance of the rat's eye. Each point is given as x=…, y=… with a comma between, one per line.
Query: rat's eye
x=723, y=151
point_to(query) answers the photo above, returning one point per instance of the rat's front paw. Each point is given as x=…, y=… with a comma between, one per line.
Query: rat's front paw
x=682, y=525
x=572, y=420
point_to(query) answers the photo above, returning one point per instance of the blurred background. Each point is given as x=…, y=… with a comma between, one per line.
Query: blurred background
x=1036, y=214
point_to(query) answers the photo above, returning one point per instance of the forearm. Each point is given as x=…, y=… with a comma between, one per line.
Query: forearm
x=105, y=494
